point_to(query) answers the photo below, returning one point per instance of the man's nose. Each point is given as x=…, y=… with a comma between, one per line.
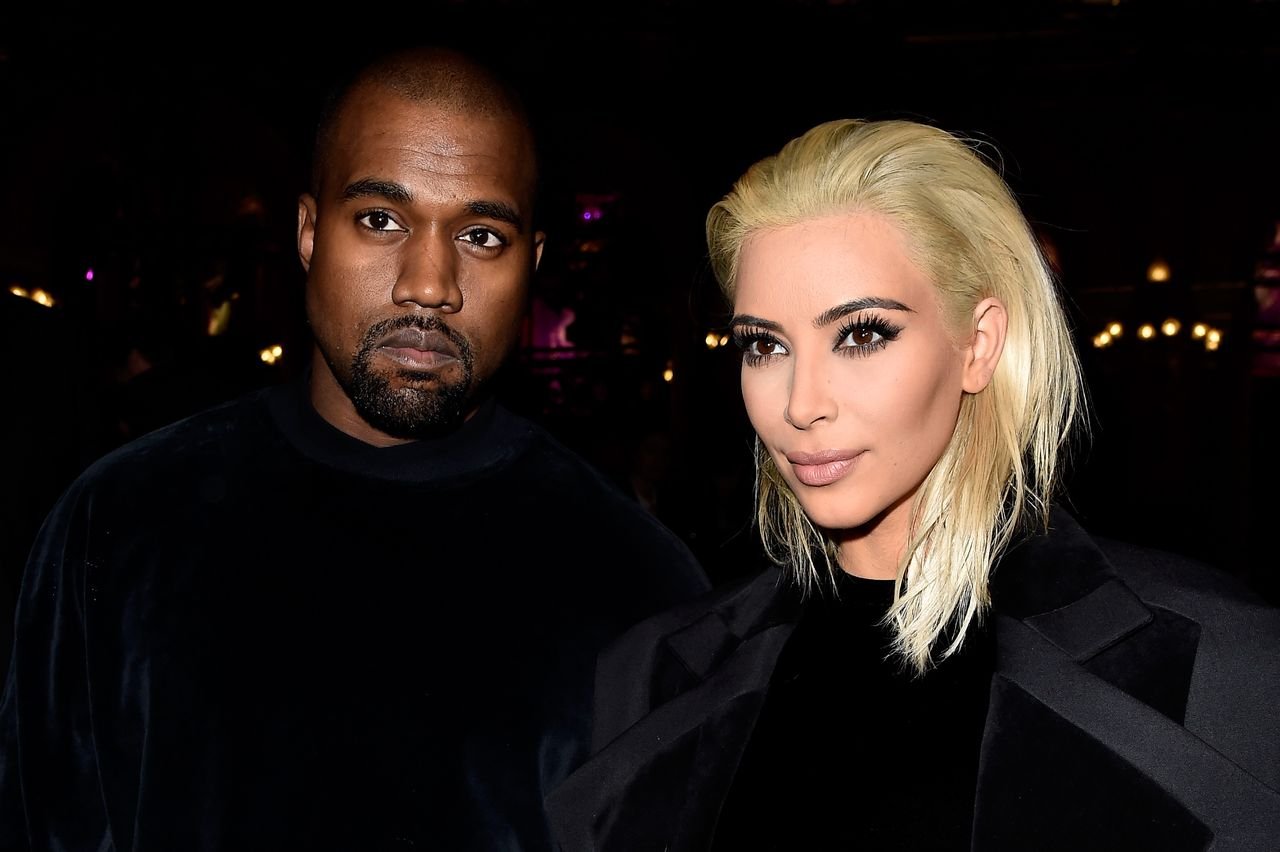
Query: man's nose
x=429, y=276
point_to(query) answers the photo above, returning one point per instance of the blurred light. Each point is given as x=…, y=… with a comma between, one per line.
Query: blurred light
x=88, y=274
x=1103, y=340
x=1146, y=331
x=1158, y=271
x=271, y=354
x=19, y=292
x=1199, y=330
x=1211, y=345
x=1213, y=336
x=1170, y=327
x=1115, y=329
x=669, y=373
x=43, y=298
x=724, y=340
x=277, y=350
x=219, y=319
x=712, y=340
x=592, y=214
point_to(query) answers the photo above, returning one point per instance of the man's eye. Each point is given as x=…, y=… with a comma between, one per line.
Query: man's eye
x=484, y=238
x=379, y=220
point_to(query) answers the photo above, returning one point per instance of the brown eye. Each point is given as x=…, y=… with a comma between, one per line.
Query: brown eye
x=861, y=336
x=764, y=347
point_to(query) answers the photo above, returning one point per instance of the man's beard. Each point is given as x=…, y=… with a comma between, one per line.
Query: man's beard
x=426, y=406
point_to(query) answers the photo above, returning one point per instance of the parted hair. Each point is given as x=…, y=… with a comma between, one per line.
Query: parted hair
x=1003, y=464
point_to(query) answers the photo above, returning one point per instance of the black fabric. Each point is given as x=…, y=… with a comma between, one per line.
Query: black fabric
x=1072, y=807
x=250, y=631
x=1132, y=707
x=837, y=700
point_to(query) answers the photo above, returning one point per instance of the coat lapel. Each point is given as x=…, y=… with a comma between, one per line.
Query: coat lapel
x=1070, y=761
x=623, y=797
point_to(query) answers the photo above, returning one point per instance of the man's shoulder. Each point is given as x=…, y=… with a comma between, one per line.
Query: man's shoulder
x=210, y=434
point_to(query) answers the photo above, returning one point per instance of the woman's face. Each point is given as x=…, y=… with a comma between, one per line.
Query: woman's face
x=849, y=375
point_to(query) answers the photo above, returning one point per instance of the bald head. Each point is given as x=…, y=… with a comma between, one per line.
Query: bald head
x=430, y=75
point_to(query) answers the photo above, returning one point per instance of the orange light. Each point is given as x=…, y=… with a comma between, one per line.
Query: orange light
x=1147, y=331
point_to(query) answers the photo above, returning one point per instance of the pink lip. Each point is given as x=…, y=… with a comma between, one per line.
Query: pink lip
x=822, y=468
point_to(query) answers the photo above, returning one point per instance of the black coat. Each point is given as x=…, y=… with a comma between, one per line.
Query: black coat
x=1135, y=704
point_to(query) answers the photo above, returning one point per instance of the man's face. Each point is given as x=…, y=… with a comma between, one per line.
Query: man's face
x=418, y=251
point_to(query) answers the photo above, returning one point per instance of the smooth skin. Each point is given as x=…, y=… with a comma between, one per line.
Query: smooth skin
x=850, y=376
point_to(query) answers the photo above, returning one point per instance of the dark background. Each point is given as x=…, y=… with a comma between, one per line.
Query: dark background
x=166, y=153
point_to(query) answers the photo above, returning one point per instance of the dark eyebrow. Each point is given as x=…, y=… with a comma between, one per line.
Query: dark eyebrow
x=372, y=187
x=399, y=193
x=499, y=210
x=839, y=312
x=747, y=319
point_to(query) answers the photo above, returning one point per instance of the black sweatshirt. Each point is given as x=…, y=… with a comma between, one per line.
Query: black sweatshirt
x=250, y=631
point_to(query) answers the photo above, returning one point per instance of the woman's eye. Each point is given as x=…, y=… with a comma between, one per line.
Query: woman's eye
x=763, y=347
x=483, y=238
x=860, y=336
x=379, y=220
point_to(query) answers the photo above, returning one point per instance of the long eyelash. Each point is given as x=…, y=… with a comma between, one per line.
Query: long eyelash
x=888, y=332
x=744, y=337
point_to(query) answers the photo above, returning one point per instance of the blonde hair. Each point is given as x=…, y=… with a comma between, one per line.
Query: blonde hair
x=1002, y=466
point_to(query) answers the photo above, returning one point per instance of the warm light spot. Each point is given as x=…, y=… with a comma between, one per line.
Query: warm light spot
x=20, y=292
x=43, y=298
x=724, y=340
x=1158, y=271
x=277, y=350
x=1146, y=331
x=219, y=319
x=1170, y=327
x=712, y=340
x=1213, y=336
x=1199, y=330
x=1211, y=345
x=1103, y=340
x=668, y=374
x=271, y=354
x=1115, y=329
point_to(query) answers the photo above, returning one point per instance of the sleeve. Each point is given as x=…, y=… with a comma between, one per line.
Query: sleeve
x=50, y=796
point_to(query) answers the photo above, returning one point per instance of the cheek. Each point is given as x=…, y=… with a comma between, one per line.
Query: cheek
x=762, y=400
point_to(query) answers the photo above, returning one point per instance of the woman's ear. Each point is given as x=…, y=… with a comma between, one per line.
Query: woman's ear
x=982, y=354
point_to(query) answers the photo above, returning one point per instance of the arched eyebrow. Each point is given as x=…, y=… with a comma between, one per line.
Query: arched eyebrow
x=758, y=322
x=841, y=311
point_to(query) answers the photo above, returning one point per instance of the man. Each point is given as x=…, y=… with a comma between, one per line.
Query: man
x=361, y=613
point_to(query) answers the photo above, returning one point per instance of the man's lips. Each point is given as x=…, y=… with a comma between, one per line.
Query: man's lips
x=823, y=467
x=418, y=349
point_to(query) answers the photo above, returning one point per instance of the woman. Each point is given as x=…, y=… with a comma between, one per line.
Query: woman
x=944, y=661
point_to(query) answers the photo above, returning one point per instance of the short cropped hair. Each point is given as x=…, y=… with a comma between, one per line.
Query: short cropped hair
x=445, y=76
x=1003, y=464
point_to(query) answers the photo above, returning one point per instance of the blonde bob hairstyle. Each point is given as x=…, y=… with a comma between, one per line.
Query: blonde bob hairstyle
x=995, y=480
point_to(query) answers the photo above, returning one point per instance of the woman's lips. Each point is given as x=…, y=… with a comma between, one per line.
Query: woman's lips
x=822, y=468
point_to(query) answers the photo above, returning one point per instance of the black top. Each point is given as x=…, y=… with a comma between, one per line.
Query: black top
x=850, y=750
x=251, y=631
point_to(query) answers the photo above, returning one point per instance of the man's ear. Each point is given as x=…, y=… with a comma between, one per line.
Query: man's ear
x=539, y=238
x=982, y=354
x=306, y=229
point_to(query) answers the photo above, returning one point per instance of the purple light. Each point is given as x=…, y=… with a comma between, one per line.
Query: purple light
x=88, y=275
x=586, y=215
